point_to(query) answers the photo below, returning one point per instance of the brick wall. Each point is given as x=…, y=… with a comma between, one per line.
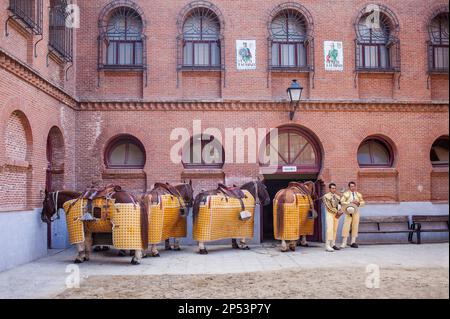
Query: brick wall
x=405, y=113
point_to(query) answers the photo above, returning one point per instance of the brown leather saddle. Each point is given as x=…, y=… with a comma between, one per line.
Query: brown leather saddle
x=172, y=190
x=233, y=192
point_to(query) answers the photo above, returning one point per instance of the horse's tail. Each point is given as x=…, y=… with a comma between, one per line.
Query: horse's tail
x=144, y=222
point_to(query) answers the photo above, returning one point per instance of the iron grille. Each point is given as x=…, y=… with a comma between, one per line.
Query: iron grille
x=29, y=12
x=61, y=37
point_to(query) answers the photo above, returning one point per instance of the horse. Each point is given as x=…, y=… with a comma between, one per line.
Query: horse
x=56, y=200
x=291, y=195
x=238, y=198
x=153, y=211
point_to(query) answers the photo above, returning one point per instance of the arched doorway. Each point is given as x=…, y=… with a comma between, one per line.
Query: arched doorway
x=55, y=167
x=299, y=159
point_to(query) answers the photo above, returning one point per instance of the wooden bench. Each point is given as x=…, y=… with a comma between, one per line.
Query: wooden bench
x=394, y=225
x=419, y=221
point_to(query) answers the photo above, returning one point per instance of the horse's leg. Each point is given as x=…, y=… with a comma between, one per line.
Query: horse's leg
x=284, y=247
x=88, y=245
x=243, y=245
x=138, y=254
x=303, y=241
x=81, y=256
x=292, y=245
x=154, y=251
x=167, y=244
x=202, y=248
x=176, y=244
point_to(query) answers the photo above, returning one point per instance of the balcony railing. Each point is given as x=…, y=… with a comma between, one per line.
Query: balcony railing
x=29, y=13
x=61, y=37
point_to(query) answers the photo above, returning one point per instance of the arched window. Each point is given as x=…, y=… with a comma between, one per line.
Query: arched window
x=377, y=46
x=295, y=149
x=375, y=152
x=125, y=151
x=439, y=40
x=201, y=39
x=439, y=152
x=289, y=32
x=203, y=152
x=124, y=38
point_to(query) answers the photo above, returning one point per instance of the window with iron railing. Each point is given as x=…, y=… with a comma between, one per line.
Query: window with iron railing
x=60, y=36
x=124, y=39
x=29, y=13
x=201, y=39
x=377, y=49
x=438, y=45
x=289, y=41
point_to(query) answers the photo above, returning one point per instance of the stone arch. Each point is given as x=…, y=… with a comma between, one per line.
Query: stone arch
x=16, y=175
x=110, y=7
x=312, y=143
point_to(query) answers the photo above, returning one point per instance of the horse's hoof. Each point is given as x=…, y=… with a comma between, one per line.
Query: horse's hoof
x=86, y=258
x=168, y=248
x=78, y=261
x=284, y=250
x=155, y=255
x=203, y=252
x=135, y=262
x=176, y=249
x=303, y=245
x=292, y=248
x=132, y=253
x=121, y=253
x=245, y=248
x=144, y=255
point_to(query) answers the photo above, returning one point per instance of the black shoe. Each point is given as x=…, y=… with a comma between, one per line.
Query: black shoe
x=355, y=245
x=336, y=247
x=203, y=252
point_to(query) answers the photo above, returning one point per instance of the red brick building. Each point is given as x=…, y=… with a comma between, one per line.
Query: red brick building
x=99, y=102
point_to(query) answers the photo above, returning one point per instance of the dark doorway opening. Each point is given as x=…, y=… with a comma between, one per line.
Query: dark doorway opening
x=275, y=184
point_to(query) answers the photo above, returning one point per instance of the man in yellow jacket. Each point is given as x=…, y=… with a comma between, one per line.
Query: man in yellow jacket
x=332, y=203
x=351, y=196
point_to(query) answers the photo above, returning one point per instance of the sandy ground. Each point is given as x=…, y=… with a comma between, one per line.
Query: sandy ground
x=289, y=283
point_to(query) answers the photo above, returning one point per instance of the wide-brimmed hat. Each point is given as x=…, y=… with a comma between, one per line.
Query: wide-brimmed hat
x=350, y=209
